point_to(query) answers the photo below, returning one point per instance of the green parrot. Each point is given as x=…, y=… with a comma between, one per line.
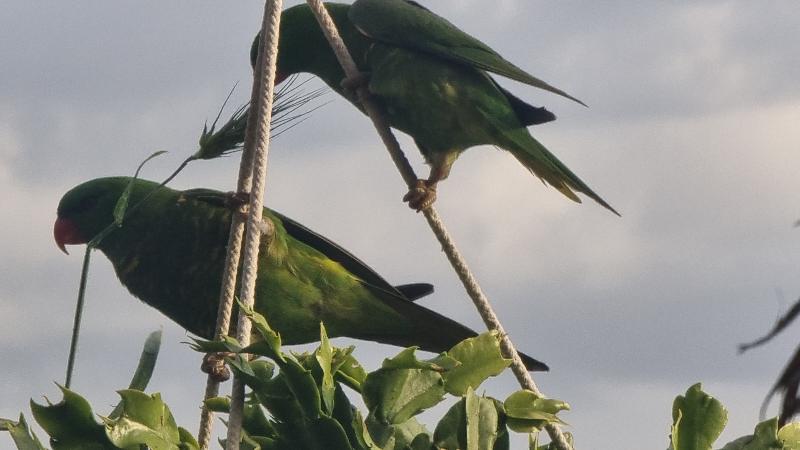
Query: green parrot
x=170, y=252
x=431, y=79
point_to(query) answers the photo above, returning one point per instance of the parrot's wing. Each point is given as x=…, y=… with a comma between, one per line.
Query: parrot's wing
x=210, y=196
x=407, y=24
x=325, y=246
x=333, y=251
x=415, y=291
x=527, y=114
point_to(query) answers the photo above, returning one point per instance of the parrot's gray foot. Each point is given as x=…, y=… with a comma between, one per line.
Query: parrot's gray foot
x=421, y=196
x=353, y=83
x=214, y=365
x=350, y=85
x=265, y=226
x=236, y=201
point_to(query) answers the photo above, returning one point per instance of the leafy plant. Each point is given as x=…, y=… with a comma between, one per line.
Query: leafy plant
x=298, y=400
x=698, y=419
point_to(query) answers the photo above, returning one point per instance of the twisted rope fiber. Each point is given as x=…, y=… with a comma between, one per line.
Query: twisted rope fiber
x=269, y=57
x=437, y=226
x=235, y=238
x=252, y=179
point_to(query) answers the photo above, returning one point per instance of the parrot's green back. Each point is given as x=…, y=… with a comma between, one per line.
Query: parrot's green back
x=431, y=79
x=409, y=25
x=170, y=251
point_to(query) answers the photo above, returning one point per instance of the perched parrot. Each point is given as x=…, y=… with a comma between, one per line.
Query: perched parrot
x=433, y=83
x=170, y=252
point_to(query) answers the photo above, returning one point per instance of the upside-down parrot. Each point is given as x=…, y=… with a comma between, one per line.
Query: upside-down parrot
x=170, y=251
x=433, y=82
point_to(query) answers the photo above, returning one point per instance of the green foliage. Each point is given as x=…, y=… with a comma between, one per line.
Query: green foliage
x=22, y=436
x=698, y=420
x=528, y=412
x=479, y=358
x=298, y=400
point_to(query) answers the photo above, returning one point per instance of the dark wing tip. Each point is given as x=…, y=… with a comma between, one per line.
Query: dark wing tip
x=533, y=365
x=415, y=291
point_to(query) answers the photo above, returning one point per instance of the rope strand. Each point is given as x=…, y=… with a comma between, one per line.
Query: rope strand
x=253, y=165
x=435, y=222
x=267, y=61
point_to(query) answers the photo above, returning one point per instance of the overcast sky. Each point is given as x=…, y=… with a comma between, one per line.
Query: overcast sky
x=693, y=134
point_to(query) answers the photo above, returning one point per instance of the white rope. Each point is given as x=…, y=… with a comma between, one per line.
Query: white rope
x=435, y=222
x=252, y=177
x=228, y=288
x=267, y=60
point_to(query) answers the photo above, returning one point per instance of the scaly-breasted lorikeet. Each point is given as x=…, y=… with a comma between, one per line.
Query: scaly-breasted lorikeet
x=431, y=79
x=170, y=253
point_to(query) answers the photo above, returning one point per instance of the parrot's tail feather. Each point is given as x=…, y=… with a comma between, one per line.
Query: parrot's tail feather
x=537, y=159
x=432, y=331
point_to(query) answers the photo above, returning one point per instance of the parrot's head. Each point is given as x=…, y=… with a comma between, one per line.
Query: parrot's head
x=86, y=210
x=301, y=46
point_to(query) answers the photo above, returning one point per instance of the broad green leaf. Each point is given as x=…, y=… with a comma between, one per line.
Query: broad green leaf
x=303, y=386
x=789, y=435
x=324, y=356
x=480, y=358
x=268, y=335
x=451, y=431
x=407, y=359
x=187, y=440
x=528, y=413
x=145, y=419
x=147, y=362
x=524, y=404
x=422, y=441
x=248, y=371
x=21, y=434
x=281, y=395
x=226, y=344
x=144, y=370
x=261, y=443
x=262, y=348
x=347, y=415
x=276, y=397
x=765, y=437
x=398, y=436
x=360, y=433
x=255, y=421
x=472, y=423
x=698, y=419
x=325, y=433
x=483, y=422
x=395, y=395
x=248, y=442
x=70, y=423
x=218, y=404
x=347, y=369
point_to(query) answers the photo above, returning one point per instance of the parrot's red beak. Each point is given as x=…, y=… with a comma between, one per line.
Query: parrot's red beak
x=65, y=232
